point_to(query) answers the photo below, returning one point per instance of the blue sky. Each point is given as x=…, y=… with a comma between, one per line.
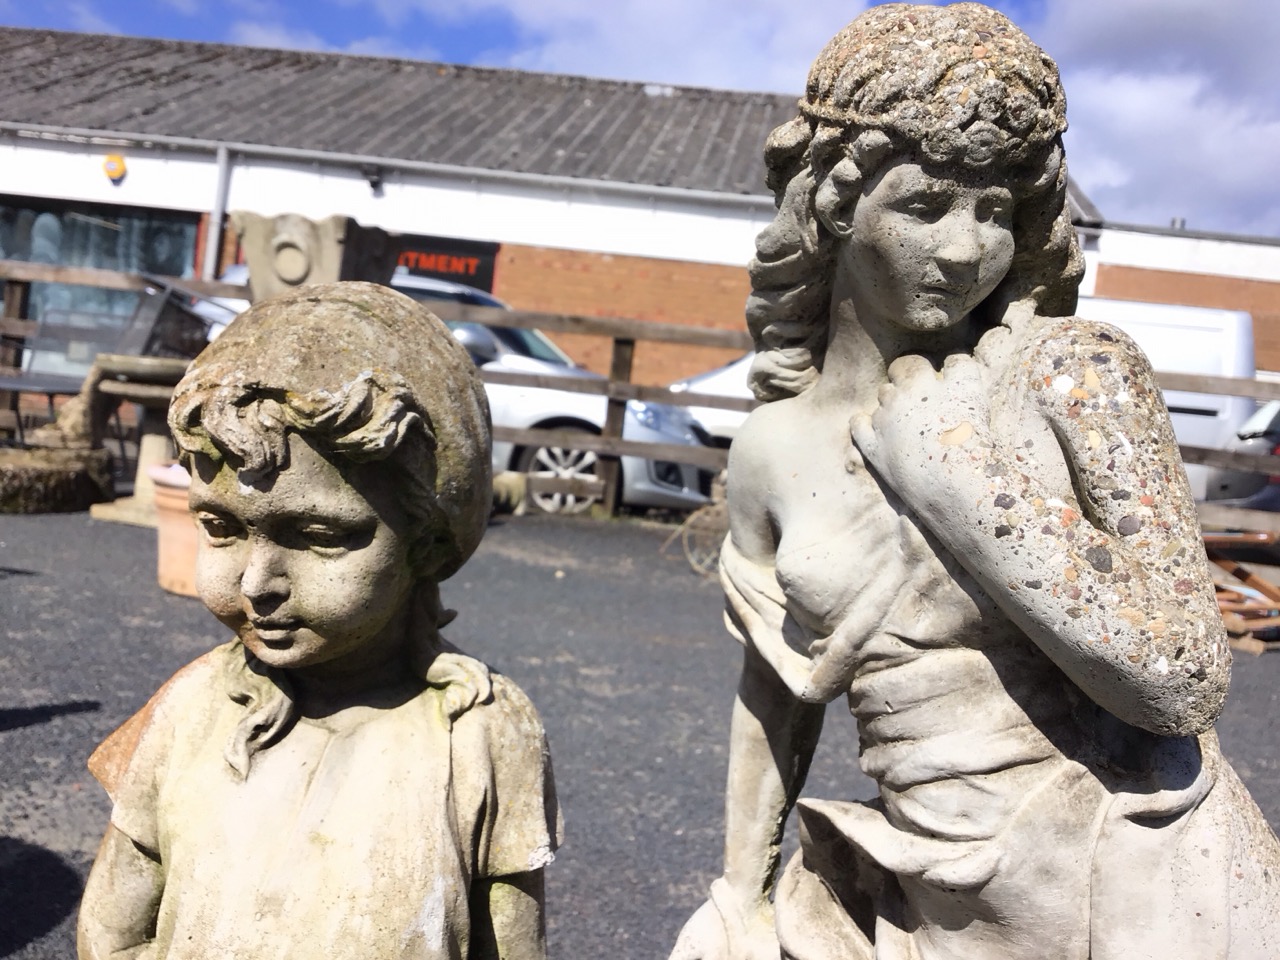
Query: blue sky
x=1172, y=103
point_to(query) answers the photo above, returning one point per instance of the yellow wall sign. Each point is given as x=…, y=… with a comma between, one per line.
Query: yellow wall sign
x=114, y=167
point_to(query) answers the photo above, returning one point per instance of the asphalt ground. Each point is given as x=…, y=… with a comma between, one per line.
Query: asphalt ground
x=620, y=646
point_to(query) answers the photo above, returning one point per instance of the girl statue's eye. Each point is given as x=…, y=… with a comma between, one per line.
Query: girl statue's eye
x=219, y=530
x=325, y=539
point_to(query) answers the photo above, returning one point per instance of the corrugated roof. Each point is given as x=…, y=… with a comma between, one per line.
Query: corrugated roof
x=398, y=109
x=381, y=107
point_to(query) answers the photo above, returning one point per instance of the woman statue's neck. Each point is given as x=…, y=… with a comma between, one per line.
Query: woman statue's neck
x=861, y=346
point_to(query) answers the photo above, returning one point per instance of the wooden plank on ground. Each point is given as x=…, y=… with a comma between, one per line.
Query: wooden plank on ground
x=1250, y=644
x=1245, y=575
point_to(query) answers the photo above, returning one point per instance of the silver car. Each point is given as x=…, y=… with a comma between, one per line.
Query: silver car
x=714, y=426
x=645, y=483
x=1259, y=435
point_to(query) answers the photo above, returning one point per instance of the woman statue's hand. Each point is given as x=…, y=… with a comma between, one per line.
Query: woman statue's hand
x=726, y=928
x=930, y=436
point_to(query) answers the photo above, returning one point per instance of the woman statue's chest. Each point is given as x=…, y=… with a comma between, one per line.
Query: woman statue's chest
x=843, y=537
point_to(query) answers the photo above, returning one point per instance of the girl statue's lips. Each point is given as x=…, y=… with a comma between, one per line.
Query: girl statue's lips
x=275, y=631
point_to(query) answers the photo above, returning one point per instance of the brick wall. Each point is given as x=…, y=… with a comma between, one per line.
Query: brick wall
x=1261, y=298
x=600, y=284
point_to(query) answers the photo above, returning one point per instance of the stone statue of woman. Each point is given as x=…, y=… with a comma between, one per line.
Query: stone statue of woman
x=963, y=508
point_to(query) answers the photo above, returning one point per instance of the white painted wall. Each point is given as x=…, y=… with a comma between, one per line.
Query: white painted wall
x=663, y=225
x=165, y=180
x=577, y=217
x=1188, y=254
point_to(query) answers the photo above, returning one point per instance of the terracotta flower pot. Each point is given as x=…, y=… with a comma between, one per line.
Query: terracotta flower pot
x=175, y=529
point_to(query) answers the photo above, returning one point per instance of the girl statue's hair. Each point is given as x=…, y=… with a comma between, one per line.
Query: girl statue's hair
x=365, y=373
x=945, y=86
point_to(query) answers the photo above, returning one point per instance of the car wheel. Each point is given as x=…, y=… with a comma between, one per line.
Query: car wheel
x=702, y=535
x=559, y=463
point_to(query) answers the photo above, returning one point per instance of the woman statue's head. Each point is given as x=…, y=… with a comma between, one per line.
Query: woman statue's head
x=956, y=88
x=364, y=375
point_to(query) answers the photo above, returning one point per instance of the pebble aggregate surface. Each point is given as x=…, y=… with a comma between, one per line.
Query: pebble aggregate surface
x=619, y=645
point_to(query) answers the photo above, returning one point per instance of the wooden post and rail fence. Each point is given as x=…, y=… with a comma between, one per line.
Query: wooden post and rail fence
x=17, y=276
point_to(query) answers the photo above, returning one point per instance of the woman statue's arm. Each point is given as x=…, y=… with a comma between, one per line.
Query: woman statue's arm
x=1104, y=570
x=772, y=739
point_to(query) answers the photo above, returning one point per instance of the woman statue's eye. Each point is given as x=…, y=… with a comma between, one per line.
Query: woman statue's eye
x=927, y=209
x=218, y=530
x=994, y=210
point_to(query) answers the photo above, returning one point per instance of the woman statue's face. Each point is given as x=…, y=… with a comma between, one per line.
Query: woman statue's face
x=926, y=246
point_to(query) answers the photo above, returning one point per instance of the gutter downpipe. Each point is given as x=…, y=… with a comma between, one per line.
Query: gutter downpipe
x=742, y=201
x=213, y=235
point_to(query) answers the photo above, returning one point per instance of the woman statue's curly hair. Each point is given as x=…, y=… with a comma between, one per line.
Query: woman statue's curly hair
x=942, y=85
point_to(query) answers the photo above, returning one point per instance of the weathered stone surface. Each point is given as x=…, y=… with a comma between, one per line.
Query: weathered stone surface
x=336, y=780
x=53, y=481
x=964, y=510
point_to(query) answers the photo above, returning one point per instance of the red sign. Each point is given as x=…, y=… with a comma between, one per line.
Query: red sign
x=461, y=261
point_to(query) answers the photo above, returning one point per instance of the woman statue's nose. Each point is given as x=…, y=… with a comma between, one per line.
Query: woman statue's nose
x=958, y=242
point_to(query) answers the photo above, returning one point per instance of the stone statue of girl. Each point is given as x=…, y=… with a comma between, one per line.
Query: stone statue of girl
x=963, y=509
x=336, y=781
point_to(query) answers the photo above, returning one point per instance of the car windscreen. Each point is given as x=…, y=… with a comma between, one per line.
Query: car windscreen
x=526, y=343
x=1262, y=422
x=530, y=343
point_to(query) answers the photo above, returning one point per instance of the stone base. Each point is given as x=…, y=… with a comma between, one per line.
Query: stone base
x=54, y=481
x=139, y=511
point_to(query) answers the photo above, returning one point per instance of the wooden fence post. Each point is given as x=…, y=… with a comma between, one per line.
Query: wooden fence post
x=12, y=333
x=610, y=466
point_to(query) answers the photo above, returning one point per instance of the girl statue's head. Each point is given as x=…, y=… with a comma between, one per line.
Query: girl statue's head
x=946, y=87
x=364, y=374
x=363, y=380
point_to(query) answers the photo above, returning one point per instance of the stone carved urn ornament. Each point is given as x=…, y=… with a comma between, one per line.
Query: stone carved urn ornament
x=963, y=509
x=336, y=781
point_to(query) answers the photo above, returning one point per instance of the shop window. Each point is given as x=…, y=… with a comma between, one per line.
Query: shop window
x=130, y=240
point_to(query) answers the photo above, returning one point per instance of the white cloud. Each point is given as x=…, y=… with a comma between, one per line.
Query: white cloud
x=390, y=47
x=1151, y=147
x=277, y=36
x=1173, y=108
x=187, y=7
x=83, y=17
x=1173, y=103
x=743, y=44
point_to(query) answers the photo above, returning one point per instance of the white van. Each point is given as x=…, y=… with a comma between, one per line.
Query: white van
x=1178, y=339
x=1199, y=340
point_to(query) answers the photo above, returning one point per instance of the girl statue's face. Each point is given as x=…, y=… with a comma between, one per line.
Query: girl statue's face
x=309, y=567
x=925, y=248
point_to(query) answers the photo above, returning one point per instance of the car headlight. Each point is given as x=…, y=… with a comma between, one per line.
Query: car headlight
x=647, y=414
